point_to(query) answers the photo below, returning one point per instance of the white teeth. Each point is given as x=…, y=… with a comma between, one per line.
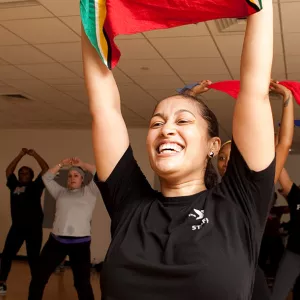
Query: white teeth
x=169, y=147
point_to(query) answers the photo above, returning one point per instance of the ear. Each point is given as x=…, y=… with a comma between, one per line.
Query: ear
x=214, y=145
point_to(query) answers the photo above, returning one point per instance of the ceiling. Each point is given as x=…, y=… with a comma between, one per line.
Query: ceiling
x=40, y=58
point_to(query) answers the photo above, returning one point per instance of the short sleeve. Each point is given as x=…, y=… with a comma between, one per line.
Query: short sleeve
x=252, y=191
x=12, y=182
x=39, y=184
x=126, y=185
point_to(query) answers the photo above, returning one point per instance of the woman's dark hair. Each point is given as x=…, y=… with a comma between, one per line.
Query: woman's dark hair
x=210, y=177
x=29, y=170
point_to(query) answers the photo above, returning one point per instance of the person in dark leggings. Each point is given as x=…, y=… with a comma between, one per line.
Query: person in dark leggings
x=26, y=214
x=283, y=143
x=71, y=234
x=272, y=246
x=289, y=268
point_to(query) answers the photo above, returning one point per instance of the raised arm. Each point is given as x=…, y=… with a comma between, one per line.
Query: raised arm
x=12, y=166
x=253, y=129
x=52, y=186
x=110, y=136
x=85, y=166
x=285, y=182
x=44, y=166
x=285, y=136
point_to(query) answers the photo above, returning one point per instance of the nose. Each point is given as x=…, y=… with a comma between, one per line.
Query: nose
x=168, y=130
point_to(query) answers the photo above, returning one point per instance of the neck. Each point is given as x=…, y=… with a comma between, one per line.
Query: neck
x=182, y=188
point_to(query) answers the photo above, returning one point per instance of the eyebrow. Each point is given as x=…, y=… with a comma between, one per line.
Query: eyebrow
x=177, y=112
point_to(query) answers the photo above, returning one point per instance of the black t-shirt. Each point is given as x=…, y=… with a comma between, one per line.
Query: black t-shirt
x=25, y=201
x=293, y=200
x=203, y=246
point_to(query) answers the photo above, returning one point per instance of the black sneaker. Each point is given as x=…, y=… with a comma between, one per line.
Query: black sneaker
x=3, y=289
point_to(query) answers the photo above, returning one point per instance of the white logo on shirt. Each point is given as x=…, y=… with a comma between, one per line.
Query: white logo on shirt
x=19, y=190
x=199, y=215
x=298, y=206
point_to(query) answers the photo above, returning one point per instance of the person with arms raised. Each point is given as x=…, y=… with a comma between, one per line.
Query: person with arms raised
x=194, y=239
x=26, y=214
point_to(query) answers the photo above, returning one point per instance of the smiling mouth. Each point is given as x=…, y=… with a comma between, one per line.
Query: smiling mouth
x=169, y=148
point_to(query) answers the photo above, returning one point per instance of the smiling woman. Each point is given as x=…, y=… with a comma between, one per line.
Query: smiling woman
x=181, y=127
x=183, y=243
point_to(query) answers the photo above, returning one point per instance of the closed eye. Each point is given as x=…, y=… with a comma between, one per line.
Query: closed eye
x=183, y=121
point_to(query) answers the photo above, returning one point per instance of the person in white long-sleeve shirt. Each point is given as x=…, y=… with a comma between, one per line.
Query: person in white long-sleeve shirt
x=71, y=234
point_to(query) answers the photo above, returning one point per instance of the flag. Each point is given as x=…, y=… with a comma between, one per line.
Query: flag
x=232, y=88
x=103, y=20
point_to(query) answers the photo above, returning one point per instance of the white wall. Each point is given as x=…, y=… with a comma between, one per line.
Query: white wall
x=54, y=145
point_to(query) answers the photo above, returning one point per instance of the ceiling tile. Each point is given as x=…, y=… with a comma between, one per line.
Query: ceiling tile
x=62, y=52
x=230, y=45
x=278, y=66
x=39, y=31
x=6, y=89
x=80, y=95
x=182, y=31
x=26, y=85
x=276, y=19
x=293, y=64
x=190, y=78
x=294, y=76
x=292, y=43
x=25, y=12
x=11, y=72
x=137, y=49
x=73, y=22
x=205, y=66
x=185, y=47
x=8, y=38
x=53, y=70
x=3, y=62
x=120, y=77
x=62, y=7
x=145, y=67
x=70, y=87
x=162, y=94
x=158, y=82
x=64, y=81
x=23, y=54
x=130, y=116
x=290, y=17
x=137, y=100
x=76, y=67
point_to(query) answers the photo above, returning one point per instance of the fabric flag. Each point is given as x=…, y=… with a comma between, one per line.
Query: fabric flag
x=232, y=88
x=104, y=19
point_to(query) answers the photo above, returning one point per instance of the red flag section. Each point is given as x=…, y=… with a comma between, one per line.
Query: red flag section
x=103, y=20
x=232, y=88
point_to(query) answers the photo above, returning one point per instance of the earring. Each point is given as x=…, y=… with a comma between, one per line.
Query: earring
x=211, y=154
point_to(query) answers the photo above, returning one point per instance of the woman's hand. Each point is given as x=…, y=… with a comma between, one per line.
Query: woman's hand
x=276, y=87
x=76, y=161
x=66, y=162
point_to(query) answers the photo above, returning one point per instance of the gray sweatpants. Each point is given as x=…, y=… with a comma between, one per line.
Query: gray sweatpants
x=288, y=271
